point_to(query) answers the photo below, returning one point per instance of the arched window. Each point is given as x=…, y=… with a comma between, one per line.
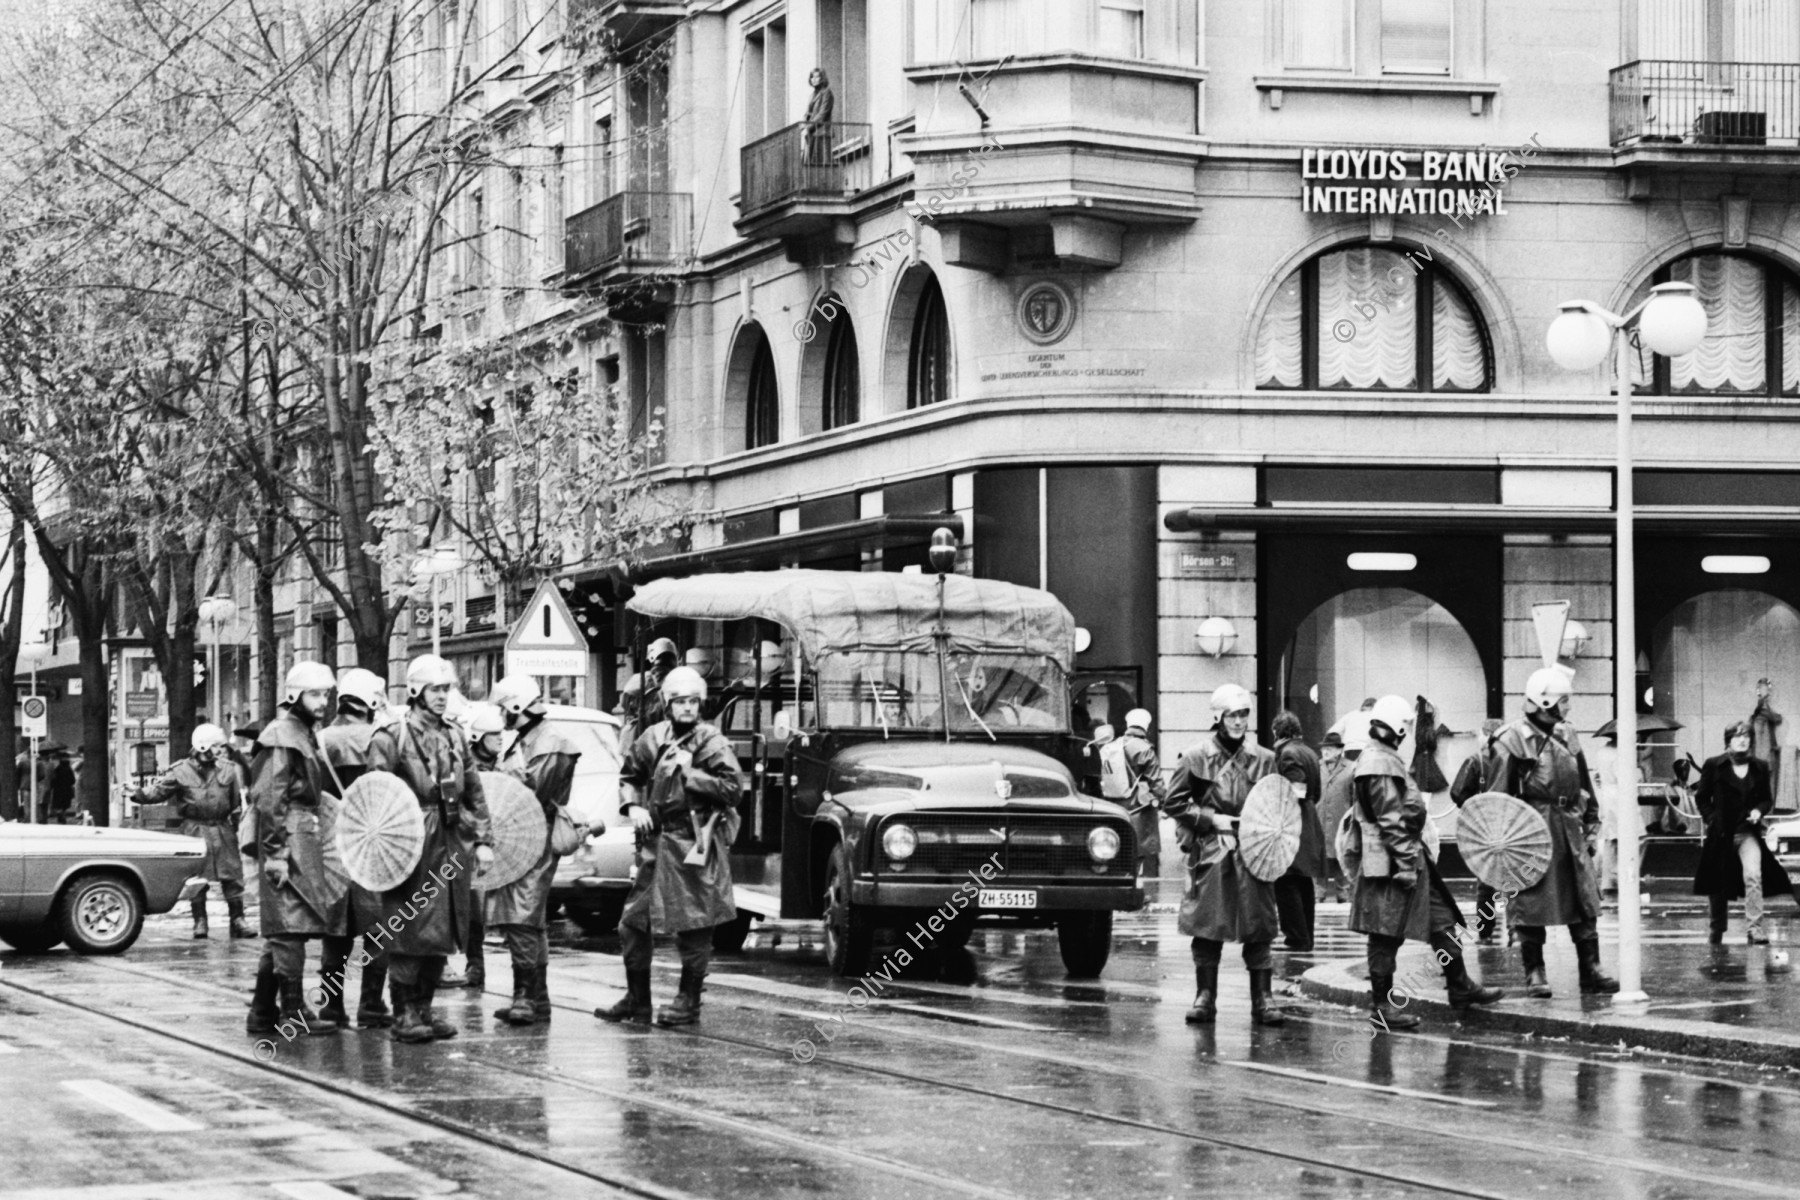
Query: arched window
x=1752, y=344
x=842, y=401
x=928, y=364
x=762, y=399
x=1371, y=319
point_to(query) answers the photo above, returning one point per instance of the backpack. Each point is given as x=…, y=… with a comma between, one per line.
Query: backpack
x=1117, y=783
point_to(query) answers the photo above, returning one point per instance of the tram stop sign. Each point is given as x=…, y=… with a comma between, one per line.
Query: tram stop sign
x=34, y=717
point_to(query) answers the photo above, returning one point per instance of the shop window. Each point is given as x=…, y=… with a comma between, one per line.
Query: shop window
x=928, y=365
x=762, y=401
x=1752, y=344
x=842, y=399
x=1369, y=319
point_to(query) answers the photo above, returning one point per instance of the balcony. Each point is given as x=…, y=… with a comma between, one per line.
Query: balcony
x=1668, y=110
x=799, y=182
x=629, y=22
x=627, y=237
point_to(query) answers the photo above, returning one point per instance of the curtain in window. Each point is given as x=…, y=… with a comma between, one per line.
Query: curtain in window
x=1278, y=339
x=1415, y=36
x=1790, y=339
x=1458, y=354
x=1316, y=33
x=843, y=376
x=1731, y=358
x=762, y=425
x=928, y=363
x=1027, y=26
x=1368, y=324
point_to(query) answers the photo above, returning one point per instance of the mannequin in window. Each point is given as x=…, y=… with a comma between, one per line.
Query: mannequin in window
x=818, y=120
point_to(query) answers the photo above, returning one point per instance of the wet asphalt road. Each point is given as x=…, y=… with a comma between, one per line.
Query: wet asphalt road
x=981, y=1074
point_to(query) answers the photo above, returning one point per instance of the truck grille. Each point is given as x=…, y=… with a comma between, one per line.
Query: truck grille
x=951, y=844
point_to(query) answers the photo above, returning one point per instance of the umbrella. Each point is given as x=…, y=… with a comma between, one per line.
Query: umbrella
x=380, y=831
x=520, y=832
x=1647, y=723
x=1505, y=842
x=1269, y=828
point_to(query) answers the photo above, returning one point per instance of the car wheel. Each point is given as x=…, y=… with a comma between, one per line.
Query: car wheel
x=849, y=930
x=30, y=939
x=100, y=914
x=728, y=936
x=1085, y=939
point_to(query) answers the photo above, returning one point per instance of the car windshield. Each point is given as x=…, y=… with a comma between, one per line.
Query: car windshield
x=902, y=690
x=1008, y=691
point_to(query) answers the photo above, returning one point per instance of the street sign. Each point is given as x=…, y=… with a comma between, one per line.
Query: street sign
x=34, y=717
x=545, y=640
x=139, y=705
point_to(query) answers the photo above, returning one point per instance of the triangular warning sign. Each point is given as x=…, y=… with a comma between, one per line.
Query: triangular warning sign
x=1551, y=618
x=546, y=624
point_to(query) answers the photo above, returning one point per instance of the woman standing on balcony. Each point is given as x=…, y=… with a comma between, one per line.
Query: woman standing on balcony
x=818, y=120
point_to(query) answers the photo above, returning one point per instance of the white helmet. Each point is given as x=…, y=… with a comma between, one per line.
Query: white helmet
x=1229, y=697
x=1549, y=687
x=305, y=677
x=683, y=681
x=427, y=670
x=1138, y=718
x=517, y=693
x=363, y=686
x=660, y=649
x=207, y=736
x=1394, y=712
x=1102, y=734
x=484, y=719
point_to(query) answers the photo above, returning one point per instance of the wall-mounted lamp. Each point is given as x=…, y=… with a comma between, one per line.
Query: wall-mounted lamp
x=1216, y=635
x=1083, y=639
x=1575, y=636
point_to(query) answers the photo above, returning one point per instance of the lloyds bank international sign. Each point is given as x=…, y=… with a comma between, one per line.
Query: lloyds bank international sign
x=1448, y=183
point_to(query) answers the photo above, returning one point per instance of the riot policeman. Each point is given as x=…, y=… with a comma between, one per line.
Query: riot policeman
x=208, y=796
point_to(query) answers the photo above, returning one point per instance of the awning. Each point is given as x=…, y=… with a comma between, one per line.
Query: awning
x=1489, y=519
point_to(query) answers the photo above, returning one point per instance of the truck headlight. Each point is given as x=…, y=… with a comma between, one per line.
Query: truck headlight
x=1103, y=845
x=899, y=842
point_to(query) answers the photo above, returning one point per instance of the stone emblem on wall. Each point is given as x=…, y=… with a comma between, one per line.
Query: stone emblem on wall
x=1046, y=312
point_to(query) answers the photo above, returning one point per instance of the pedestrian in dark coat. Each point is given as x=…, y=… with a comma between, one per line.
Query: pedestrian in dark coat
x=1224, y=902
x=682, y=786
x=61, y=789
x=1298, y=763
x=295, y=814
x=427, y=916
x=1734, y=795
x=1538, y=760
x=544, y=760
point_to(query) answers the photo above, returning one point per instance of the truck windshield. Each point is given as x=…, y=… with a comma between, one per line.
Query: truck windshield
x=902, y=691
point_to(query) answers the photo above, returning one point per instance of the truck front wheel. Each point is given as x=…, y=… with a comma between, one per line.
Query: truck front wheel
x=1085, y=939
x=849, y=930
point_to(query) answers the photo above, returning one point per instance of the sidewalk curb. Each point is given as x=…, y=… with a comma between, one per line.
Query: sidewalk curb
x=1339, y=983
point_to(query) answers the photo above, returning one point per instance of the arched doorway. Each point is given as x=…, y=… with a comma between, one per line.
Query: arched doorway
x=1706, y=657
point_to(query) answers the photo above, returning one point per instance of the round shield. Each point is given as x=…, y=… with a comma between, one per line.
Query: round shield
x=1269, y=828
x=520, y=832
x=380, y=831
x=331, y=811
x=1505, y=842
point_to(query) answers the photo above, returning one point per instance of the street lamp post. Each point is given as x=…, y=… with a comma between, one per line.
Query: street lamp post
x=215, y=610
x=1671, y=322
x=436, y=564
x=34, y=652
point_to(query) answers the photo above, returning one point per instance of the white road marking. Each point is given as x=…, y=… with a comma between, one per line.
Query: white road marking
x=151, y=1116
x=312, y=1189
x=1701, y=1004
x=1359, y=1085
x=8, y=1048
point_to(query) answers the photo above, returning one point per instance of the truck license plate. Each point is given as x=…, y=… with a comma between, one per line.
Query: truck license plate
x=1008, y=898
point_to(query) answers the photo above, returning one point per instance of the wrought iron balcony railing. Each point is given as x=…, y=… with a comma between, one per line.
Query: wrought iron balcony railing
x=805, y=162
x=1725, y=104
x=629, y=230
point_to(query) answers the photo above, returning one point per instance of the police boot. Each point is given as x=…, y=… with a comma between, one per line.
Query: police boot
x=1206, y=994
x=521, y=1011
x=199, y=909
x=263, y=1013
x=635, y=1007
x=371, y=1012
x=291, y=993
x=1463, y=990
x=240, y=928
x=1537, y=981
x=1383, y=1012
x=1594, y=981
x=440, y=1028
x=540, y=997
x=409, y=1026
x=686, y=1009
x=1262, y=999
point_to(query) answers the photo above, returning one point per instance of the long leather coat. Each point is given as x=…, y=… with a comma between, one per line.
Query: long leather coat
x=428, y=914
x=669, y=896
x=1725, y=801
x=1224, y=902
x=1549, y=773
x=1391, y=814
x=295, y=815
x=207, y=799
x=544, y=761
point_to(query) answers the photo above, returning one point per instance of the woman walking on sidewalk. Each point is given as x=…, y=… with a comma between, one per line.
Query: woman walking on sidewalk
x=1734, y=796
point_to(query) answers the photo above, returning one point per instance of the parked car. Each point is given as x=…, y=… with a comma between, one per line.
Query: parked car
x=1782, y=836
x=89, y=886
x=590, y=885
